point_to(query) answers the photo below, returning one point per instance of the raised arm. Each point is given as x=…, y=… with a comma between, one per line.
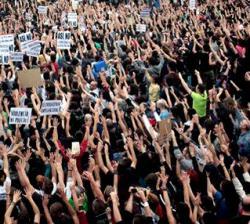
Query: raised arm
x=184, y=84
x=36, y=210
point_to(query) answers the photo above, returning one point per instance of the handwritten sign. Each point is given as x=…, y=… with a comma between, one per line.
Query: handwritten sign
x=19, y=115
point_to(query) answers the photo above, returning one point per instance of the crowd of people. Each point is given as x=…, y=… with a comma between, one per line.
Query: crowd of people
x=161, y=115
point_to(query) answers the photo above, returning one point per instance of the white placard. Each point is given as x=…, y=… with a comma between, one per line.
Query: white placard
x=24, y=38
x=16, y=56
x=4, y=58
x=145, y=13
x=6, y=43
x=42, y=9
x=20, y=115
x=63, y=40
x=72, y=19
x=75, y=4
x=28, y=16
x=141, y=28
x=192, y=4
x=31, y=48
x=75, y=148
x=51, y=107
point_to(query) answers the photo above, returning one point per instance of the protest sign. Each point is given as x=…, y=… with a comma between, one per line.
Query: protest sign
x=141, y=28
x=63, y=40
x=4, y=59
x=75, y=4
x=6, y=43
x=19, y=115
x=16, y=56
x=145, y=13
x=75, y=148
x=72, y=19
x=32, y=48
x=42, y=9
x=192, y=4
x=30, y=78
x=25, y=37
x=165, y=130
x=51, y=107
x=130, y=21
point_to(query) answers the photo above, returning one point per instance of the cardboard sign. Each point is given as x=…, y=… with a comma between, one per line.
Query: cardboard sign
x=16, y=56
x=51, y=107
x=7, y=43
x=165, y=127
x=72, y=19
x=63, y=40
x=145, y=13
x=42, y=9
x=130, y=21
x=192, y=4
x=30, y=78
x=141, y=28
x=4, y=59
x=75, y=148
x=19, y=115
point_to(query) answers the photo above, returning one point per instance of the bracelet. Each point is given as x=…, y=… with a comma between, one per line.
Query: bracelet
x=69, y=170
x=116, y=172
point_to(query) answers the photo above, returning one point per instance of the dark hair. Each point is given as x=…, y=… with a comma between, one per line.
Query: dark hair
x=48, y=185
x=2, y=177
x=201, y=88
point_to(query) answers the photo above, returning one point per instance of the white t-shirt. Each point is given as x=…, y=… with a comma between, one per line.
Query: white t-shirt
x=6, y=183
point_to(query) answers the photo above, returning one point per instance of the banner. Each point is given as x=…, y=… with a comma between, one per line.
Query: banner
x=51, y=107
x=72, y=19
x=19, y=115
x=141, y=28
x=63, y=40
x=7, y=43
x=16, y=56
